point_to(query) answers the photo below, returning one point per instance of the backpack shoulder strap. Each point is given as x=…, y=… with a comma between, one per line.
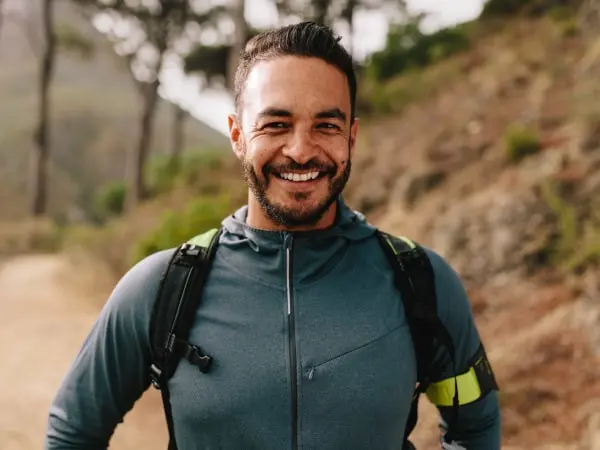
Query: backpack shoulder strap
x=177, y=299
x=415, y=280
x=173, y=315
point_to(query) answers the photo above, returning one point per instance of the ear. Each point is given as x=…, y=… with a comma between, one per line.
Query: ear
x=353, y=135
x=235, y=136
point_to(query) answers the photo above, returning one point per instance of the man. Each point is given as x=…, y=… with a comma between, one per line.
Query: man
x=310, y=340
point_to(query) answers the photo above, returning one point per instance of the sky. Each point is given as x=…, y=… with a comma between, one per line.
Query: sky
x=212, y=107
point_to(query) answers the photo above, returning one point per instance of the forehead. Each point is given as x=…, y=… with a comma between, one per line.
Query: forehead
x=298, y=84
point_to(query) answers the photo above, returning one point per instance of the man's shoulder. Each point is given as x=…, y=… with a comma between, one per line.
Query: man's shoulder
x=440, y=265
x=150, y=269
x=448, y=284
x=139, y=286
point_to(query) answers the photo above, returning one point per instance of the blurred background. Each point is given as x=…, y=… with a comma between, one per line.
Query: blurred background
x=480, y=137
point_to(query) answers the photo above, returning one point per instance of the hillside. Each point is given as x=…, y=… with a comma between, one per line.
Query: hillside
x=524, y=236
x=94, y=119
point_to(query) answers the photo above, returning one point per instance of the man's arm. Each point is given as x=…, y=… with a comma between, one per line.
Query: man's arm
x=110, y=371
x=477, y=425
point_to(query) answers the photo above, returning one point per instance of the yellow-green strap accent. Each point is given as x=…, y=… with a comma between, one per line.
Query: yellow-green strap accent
x=203, y=240
x=410, y=243
x=442, y=392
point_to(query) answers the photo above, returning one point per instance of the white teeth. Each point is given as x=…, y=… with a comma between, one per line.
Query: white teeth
x=299, y=177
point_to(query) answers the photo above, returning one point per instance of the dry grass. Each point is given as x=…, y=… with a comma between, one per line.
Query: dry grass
x=28, y=236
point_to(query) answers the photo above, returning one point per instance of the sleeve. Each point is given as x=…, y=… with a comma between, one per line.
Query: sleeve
x=110, y=372
x=477, y=425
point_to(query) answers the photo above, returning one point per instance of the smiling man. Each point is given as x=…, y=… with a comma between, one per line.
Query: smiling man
x=312, y=327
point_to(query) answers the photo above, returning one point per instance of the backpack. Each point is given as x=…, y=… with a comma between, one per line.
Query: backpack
x=174, y=312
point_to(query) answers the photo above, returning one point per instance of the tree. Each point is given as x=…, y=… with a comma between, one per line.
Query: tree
x=45, y=39
x=178, y=138
x=324, y=12
x=156, y=28
x=41, y=136
x=1, y=15
x=240, y=37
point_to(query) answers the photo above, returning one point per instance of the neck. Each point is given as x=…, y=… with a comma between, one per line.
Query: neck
x=258, y=218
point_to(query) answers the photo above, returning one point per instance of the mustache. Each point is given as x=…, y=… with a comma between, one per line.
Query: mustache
x=290, y=166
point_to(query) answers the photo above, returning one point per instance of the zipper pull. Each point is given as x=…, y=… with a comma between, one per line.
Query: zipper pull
x=311, y=373
x=288, y=241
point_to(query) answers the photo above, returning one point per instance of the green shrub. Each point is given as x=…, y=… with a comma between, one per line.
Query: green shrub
x=520, y=142
x=576, y=243
x=566, y=19
x=109, y=201
x=407, y=47
x=569, y=27
x=503, y=7
x=176, y=227
x=494, y=8
x=163, y=174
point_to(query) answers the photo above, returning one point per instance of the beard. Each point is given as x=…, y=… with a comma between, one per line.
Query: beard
x=297, y=216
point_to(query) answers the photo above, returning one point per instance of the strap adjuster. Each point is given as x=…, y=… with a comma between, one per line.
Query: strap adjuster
x=195, y=356
x=155, y=376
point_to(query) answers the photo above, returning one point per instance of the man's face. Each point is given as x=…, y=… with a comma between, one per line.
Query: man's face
x=295, y=137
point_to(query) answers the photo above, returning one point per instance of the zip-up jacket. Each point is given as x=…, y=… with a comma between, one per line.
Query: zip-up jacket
x=310, y=346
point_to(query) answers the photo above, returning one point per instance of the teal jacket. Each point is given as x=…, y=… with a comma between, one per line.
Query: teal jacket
x=339, y=375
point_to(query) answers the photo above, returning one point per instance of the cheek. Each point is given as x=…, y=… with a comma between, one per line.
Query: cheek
x=338, y=151
x=260, y=152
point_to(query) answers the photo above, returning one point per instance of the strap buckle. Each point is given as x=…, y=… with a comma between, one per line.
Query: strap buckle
x=195, y=356
x=155, y=376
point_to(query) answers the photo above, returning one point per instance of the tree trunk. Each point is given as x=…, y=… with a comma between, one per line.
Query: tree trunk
x=348, y=16
x=138, y=189
x=41, y=137
x=320, y=9
x=178, y=137
x=1, y=15
x=239, y=41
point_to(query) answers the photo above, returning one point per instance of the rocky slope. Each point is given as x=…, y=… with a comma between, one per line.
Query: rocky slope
x=525, y=237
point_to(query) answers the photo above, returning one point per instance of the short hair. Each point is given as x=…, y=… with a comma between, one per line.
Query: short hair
x=305, y=39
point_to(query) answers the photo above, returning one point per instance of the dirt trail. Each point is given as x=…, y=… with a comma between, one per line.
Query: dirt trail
x=43, y=321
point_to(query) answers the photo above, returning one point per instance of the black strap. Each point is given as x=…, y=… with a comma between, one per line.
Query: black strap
x=169, y=417
x=178, y=298
x=415, y=279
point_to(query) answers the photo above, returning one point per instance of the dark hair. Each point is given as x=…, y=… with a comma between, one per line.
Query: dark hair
x=302, y=39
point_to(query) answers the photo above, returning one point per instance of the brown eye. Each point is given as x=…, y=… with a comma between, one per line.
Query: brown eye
x=276, y=126
x=328, y=126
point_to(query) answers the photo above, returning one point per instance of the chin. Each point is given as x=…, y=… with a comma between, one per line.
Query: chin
x=297, y=213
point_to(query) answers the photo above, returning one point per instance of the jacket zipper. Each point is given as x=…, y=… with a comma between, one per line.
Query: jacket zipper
x=292, y=341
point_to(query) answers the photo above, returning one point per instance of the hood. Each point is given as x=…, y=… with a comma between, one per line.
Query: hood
x=316, y=252
x=349, y=225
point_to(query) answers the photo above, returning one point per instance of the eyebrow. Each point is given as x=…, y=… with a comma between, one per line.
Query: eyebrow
x=333, y=113
x=274, y=112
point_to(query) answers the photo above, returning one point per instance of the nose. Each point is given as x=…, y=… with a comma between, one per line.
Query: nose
x=301, y=147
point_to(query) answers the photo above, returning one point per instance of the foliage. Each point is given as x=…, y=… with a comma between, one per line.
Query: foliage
x=576, y=242
x=71, y=39
x=407, y=47
x=495, y=8
x=109, y=201
x=392, y=97
x=176, y=227
x=210, y=60
x=520, y=142
x=163, y=174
